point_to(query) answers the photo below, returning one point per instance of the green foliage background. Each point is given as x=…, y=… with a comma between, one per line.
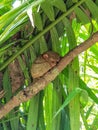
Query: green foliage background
x=70, y=101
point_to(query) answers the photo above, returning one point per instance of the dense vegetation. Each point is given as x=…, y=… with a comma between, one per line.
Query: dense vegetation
x=70, y=101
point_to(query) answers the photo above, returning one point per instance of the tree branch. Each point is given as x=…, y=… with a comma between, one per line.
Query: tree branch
x=41, y=83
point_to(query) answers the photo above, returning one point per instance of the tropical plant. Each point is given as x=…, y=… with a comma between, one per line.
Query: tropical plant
x=69, y=101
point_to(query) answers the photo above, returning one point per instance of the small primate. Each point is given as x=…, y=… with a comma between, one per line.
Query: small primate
x=44, y=63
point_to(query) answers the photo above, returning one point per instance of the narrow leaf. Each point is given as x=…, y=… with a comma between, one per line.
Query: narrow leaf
x=93, y=8
x=94, y=68
x=55, y=40
x=70, y=33
x=48, y=9
x=56, y=103
x=7, y=85
x=33, y=113
x=68, y=99
x=43, y=45
x=48, y=106
x=37, y=20
x=14, y=24
x=81, y=15
x=8, y=95
x=90, y=93
x=59, y=4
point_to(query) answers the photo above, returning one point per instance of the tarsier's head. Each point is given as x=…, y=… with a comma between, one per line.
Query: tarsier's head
x=51, y=57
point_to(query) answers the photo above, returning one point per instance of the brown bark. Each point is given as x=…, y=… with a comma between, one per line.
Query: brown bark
x=41, y=83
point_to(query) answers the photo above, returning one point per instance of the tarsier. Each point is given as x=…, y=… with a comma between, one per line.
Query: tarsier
x=44, y=63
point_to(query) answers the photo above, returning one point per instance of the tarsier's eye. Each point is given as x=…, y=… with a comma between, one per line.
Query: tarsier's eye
x=53, y=61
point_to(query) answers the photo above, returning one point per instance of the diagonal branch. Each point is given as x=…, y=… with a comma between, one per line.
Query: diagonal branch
x=41, y=83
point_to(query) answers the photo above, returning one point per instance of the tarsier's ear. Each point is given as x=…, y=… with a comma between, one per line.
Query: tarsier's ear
x=45, y=56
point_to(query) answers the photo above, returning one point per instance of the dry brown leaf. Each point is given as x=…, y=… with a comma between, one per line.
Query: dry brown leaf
x=16, y=75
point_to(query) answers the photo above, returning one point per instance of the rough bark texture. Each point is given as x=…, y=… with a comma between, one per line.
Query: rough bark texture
x=41, y=83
